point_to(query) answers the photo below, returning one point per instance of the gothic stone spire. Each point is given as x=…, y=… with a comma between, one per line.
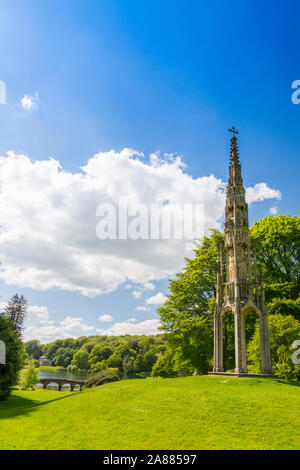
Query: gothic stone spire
x=238, y=294
x=235, y=181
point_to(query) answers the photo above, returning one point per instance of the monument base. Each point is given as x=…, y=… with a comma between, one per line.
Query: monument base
x=242, y=374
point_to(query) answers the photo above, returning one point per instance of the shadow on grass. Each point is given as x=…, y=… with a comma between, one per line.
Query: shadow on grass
x=288, y=382
x=15, y=406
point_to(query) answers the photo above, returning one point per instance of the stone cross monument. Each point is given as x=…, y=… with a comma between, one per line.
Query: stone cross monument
x=239, y=292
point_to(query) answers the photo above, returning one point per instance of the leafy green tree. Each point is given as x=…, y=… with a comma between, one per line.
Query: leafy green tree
x=80, y=359
x=173, y=364
x=187, y=315
x=99, y=366
x=284, y=330
x=99, y=353
x=164, y=365
x=15, y=357
x=278, y=248
x=59, y=360
x=29, y=377
x=285, y=307
x=115, y=360
x=277, y=241
x=149, y=360
x=34, y=348
x=128, y=366
x=285, y=366
x=139, y=363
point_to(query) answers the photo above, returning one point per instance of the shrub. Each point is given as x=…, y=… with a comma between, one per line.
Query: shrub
x=15, y=357
x=29, y=377
x=103, y=377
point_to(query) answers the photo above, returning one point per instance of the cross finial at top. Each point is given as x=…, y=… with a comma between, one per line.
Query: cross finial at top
x=233, y=131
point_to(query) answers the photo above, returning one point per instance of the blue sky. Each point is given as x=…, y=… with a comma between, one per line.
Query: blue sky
x=167, y=77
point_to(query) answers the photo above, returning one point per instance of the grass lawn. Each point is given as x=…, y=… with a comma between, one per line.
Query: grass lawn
x=186, y=413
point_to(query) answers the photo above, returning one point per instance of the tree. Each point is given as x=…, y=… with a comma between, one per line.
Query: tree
x=277, y=241
x=15, y=357
x=34, y=348
x=164, y=365
x=173, y=364
x=285, y=307
x=284, y=330
x=278, y=248
x=149, y=361
x=80, y=359
x=115, y=360
x=187, y=315
x=16, y=310
x=29, y=377
x=127, y=366
x=99, y=353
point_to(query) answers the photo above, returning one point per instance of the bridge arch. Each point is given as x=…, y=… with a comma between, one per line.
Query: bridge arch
x=61, y=382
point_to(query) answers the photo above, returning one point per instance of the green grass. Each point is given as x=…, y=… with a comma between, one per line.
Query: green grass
x=187, y=413
x=50, y=369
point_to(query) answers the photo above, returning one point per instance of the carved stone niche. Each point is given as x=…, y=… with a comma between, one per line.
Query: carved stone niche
x=230, y=291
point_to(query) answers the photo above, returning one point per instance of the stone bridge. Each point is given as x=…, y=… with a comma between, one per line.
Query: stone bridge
x=61, y=382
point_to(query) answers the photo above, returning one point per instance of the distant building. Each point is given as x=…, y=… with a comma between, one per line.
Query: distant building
x=44, y=361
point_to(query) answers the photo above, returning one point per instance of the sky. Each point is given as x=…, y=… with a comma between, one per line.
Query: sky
x=108, y=99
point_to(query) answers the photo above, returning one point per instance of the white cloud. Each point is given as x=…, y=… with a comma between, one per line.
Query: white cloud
x=148, y=286
x=274, y=210
x=38, y=313
x=157, y=299
x=142, y=308
x=74, y=324
x=260, y=192
x=132, y=320
x=35, y=313
x=44, y=333
x=30, y=102
x=50, y=241
x=106, y=318
x=147, y=327
x=39, y=326
x=128, y=286
x=137, y=294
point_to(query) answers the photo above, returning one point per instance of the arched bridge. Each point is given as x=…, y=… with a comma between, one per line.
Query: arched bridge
x=61, y=382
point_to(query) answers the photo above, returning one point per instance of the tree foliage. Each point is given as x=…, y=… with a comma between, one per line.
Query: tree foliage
x=29, y=377
x=104, y=377
x=131, y=355
x=187, y=315
x=16, y=310
x=278, y=248
x=80, y=359
x=284, y=330
x=34, y=348
x=15, y=357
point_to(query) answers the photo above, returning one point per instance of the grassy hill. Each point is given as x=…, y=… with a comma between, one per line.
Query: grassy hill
x=186, y=413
